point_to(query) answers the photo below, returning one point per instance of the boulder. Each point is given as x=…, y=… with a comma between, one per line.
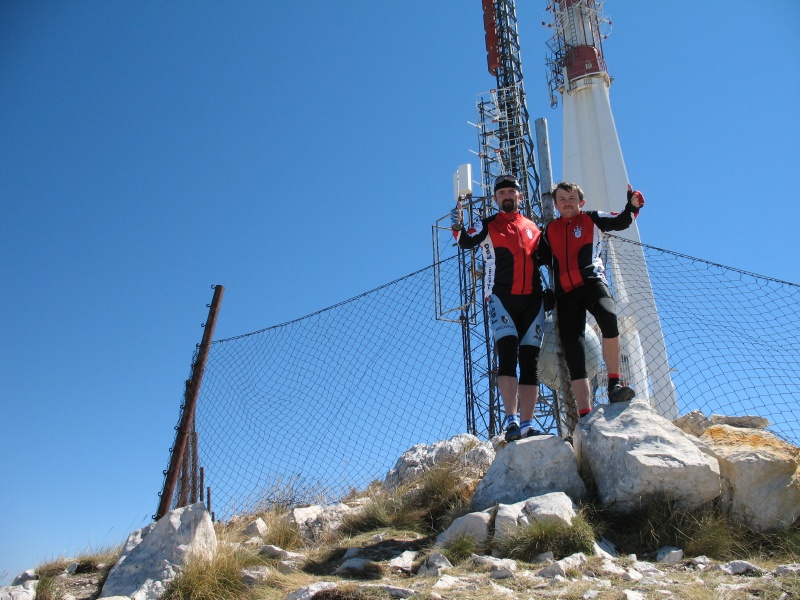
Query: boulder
x=25, y=590
x=475, y=457
x=694, y=423
x=762, y=472
x=555, y=506
x=154, y=555
x=474, y=525
x=308, y=520
x=632, y=453
x=743, y=422
x=527, y=468
x=257, y=528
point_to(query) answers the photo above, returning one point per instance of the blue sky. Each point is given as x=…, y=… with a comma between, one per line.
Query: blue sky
x=298, y=153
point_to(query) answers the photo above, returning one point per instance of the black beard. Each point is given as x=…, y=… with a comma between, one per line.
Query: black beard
x=507, y=206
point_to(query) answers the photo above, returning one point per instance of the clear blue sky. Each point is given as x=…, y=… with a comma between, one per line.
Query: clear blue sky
x=298, y=153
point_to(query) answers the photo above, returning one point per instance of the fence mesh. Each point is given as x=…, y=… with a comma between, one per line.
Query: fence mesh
x=310, y=409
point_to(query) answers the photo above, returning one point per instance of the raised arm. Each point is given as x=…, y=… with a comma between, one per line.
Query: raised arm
x=466, y=237
x=623, y=220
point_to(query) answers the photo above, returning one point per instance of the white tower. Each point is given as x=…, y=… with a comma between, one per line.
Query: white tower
x=592, y=158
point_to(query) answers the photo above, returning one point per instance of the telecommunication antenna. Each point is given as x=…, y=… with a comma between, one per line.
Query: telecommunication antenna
x=505, y=146
x=593, y=157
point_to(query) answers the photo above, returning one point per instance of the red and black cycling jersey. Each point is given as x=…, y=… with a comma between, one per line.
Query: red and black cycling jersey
x=508, y=242
x=574, y=246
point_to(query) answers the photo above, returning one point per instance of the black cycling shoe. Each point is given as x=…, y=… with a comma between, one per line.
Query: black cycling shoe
x=620, y=393
x=513, y=432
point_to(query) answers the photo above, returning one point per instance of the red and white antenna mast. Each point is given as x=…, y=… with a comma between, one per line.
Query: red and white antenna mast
x=592, y=157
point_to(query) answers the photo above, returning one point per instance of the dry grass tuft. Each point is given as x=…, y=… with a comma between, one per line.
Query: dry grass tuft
x=216, y=579
x=527, y=542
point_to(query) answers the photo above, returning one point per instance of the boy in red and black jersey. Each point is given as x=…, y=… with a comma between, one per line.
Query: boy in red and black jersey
x=513, y=292
x=573, y=245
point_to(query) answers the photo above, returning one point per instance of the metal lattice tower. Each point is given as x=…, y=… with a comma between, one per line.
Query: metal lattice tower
x=506, y=146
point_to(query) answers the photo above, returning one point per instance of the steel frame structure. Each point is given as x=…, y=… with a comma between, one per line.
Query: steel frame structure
x=506, y=146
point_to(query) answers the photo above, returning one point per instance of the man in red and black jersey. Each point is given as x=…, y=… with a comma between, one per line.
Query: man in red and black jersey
x=513, y=291
x=573, y=244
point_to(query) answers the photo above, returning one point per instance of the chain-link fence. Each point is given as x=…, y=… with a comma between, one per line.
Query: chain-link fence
x=307, y=410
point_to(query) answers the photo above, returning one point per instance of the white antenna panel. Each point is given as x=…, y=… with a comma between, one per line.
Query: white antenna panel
x=462, y=181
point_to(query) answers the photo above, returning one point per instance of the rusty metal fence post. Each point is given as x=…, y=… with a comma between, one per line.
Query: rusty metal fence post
x=187, y=415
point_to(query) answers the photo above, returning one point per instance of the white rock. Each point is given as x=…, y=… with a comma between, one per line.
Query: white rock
x=287, y=566
x=22, y=591
x=308, y=592
x=446, y=581
x=546, y=508
x=434, y=564
x=631, y=452
x=393, y=591
x=738, y=567
x=473, y=455
x=351, y=552
x=632, y=575
x=255, y=575
x=787, y=569
x=633, y=595
x=257, y=527
x=701, y=561
x=498, y=572
x=647, y=568
x=612, y=568
x=499, y=589
x=605, y=548
x=28, y=575
x=481, y=560
x=669, y=555
x=745, y=422
x=474, y=525
x=405, y=561
x=152, y=556
x=527, y=468
x=763, y=474
x=354, y=565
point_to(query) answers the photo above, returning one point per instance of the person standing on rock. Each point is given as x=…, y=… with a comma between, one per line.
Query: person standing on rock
x=572, y=245
x=513, y=292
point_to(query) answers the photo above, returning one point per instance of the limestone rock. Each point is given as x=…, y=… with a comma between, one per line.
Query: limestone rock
x=308, y=520
x=493, y=562
x=152, y=556
x=475, y=457
x=28, y=575
x=527, y=468
x=474, y=525
x=392, y=590
x=763, y=474
x=404, y=562
x=355, y=565
x=255, y=575
x=739, y=567
x=21, y=591
x=257, y=527
x=694, y=423
x=434, y=564
x=744, y=422
x=309, y=591
x=555, y=506
x=631, y=453
x=669, y=555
